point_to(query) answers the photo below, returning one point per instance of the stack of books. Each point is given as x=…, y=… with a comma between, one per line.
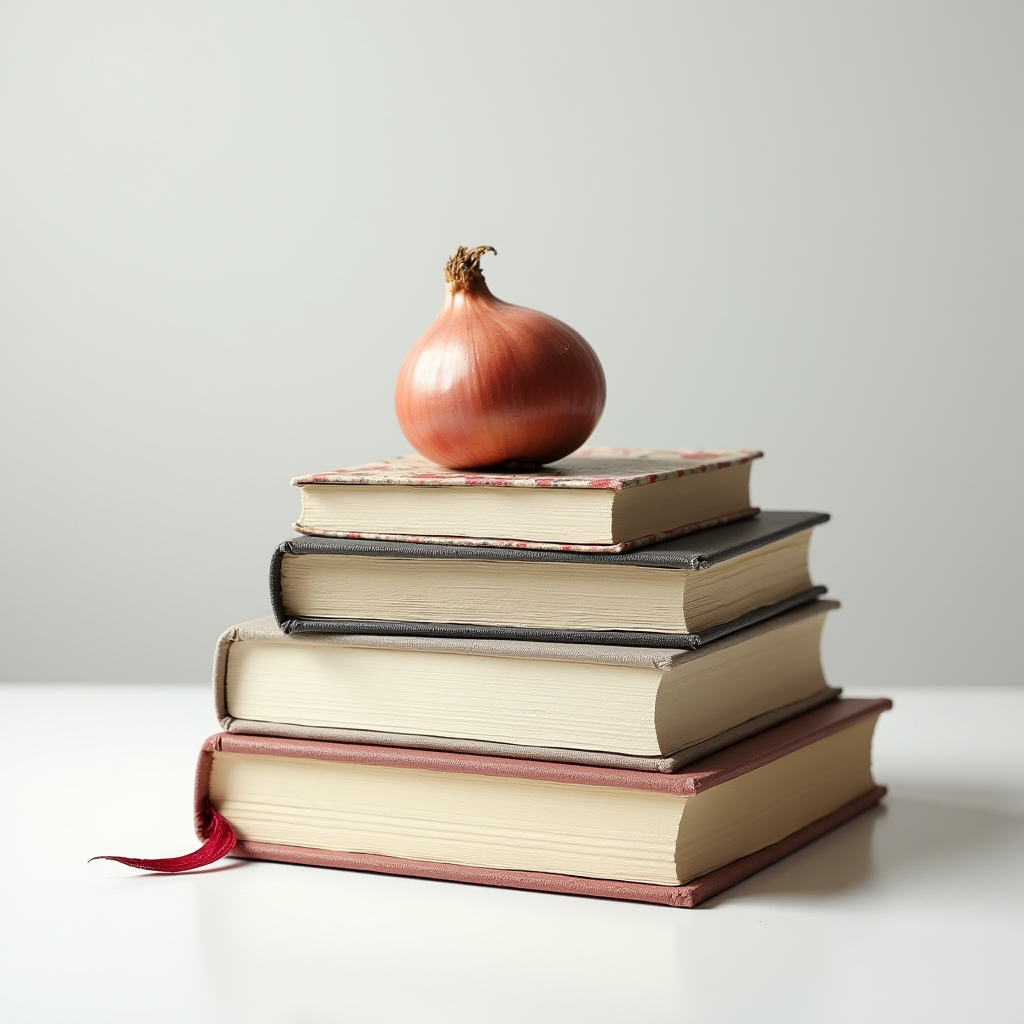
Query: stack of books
x=599, y=678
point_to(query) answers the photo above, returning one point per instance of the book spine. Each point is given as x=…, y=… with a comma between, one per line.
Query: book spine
x=220, y=675
x=276, y=598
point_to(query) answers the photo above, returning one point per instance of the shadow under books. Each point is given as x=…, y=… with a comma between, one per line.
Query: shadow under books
x=915, y=829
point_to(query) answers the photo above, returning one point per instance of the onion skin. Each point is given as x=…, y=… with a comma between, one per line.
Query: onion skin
x=492, y=384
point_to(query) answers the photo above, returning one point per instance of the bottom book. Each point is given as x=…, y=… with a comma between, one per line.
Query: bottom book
x=674, y=839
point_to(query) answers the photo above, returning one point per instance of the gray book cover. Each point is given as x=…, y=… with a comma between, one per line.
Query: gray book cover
x=266, y=631
x=694, y=552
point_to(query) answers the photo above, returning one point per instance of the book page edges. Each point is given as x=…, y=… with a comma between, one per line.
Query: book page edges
x=265, y=630
x=531, y=545
x=463, y=631
x=688, y=895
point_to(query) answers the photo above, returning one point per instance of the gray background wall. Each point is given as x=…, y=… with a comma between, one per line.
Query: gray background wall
x=789, y=225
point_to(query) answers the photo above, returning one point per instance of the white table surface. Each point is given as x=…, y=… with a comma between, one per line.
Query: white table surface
x=913, y=912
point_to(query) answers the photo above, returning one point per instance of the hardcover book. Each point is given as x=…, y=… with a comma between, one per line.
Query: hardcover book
x=597, y=500
x=647, y=709
x=681, y=592
x=673, y=839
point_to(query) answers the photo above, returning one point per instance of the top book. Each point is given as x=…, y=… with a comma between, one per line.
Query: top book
x=596, y=500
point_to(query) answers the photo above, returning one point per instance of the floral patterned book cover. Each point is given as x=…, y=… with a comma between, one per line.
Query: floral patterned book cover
x=597, y=468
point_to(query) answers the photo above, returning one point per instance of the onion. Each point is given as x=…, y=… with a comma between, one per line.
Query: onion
x=492, y=384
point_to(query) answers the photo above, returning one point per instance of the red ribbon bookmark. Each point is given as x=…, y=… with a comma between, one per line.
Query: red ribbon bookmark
x=220, y=841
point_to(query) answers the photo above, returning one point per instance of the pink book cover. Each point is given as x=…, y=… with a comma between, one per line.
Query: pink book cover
x=713, y=770
x=594, y=468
